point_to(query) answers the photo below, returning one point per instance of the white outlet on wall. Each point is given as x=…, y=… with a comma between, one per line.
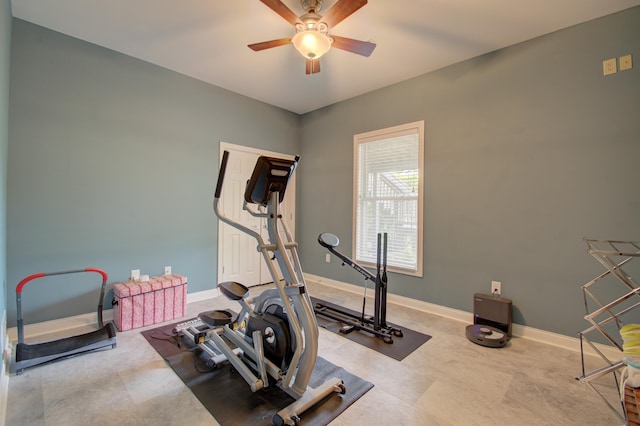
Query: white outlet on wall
x=609, y=66
x=496, y=288
x=135, y=275
x=167, y=270
x=327, y=258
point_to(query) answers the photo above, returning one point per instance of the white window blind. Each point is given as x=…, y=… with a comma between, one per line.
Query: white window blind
x=388, y=196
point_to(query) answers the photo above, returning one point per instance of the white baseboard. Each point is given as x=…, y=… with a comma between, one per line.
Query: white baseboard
x=518, y=330
x=202, y=295
x=88, y=319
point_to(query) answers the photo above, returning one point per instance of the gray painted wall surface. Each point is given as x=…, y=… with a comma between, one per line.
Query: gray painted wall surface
x=528, y=150
x=113, y=164
x=5, y=51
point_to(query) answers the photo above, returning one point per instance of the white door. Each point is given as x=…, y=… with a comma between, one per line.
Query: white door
x=238, y=256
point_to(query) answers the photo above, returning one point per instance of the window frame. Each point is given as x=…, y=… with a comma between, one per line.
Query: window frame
x=416, y=127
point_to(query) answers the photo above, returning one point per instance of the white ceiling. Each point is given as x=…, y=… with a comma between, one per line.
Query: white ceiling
x=207, y=39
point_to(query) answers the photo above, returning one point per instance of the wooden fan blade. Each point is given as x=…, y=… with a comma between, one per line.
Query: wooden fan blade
x=313, y=66
x=341, y=10
x=269, y=44
x=281, y=9
x=364, y=48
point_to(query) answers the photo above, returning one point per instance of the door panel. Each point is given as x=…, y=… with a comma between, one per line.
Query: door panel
x=239, y=260
x=238, y=257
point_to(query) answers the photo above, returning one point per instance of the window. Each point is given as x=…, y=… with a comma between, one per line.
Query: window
x=388, y=179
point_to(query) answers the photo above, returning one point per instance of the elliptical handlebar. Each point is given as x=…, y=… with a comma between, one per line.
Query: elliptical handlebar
x=221, y=173
x=216, y=203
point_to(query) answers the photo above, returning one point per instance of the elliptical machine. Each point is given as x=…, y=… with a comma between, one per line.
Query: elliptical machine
x=274, y=338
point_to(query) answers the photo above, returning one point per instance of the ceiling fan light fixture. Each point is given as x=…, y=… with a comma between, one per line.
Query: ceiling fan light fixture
x=312, y=37
x=311, y=44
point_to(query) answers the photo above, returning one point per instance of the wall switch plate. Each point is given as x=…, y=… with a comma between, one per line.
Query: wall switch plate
x=496, y=288
x=609, y=66
x=167, y=270
x=327, y=258
x=135, y=274
x=625, y=62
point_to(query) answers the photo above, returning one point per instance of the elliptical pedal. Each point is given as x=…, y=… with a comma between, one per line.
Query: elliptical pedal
x=233, y=290
x=217, y=318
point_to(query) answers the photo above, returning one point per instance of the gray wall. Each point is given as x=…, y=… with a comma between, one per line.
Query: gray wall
x=113, y=164
x=5, y=50
x=528, y=150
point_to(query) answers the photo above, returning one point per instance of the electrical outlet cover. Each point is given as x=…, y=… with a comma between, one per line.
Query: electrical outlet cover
x=167, y=270
x=609, y=66
x=625, y=62
x=135, y=274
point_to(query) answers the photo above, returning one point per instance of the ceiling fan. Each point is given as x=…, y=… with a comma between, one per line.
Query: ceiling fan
x=312, y=37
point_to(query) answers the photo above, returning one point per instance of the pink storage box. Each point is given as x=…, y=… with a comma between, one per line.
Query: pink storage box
x=138, y=304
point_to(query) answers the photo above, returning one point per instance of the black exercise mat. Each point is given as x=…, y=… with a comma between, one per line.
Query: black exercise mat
x=227, y=396
x=399, y=349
